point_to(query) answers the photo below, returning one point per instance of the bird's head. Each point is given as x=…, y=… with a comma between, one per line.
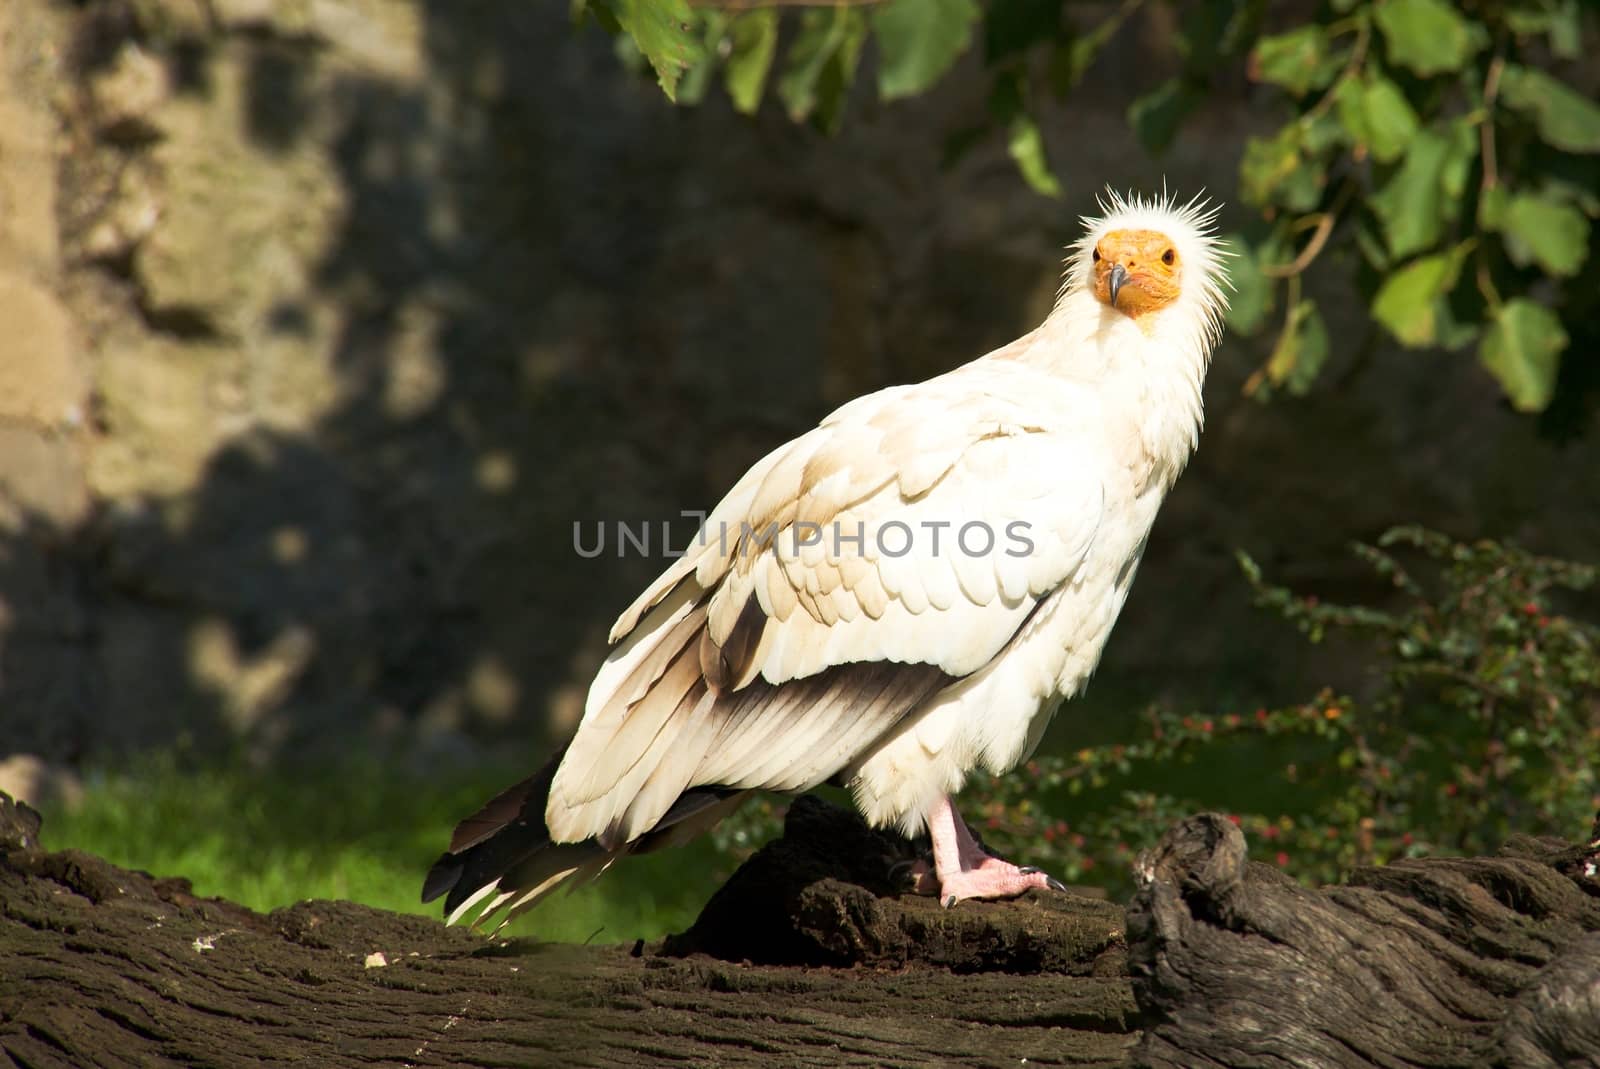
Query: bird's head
x=1145, y=258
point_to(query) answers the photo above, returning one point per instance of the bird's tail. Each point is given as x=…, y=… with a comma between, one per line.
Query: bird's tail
x=502, y=856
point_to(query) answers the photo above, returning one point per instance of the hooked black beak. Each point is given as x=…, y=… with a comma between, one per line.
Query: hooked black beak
x=1119, y=278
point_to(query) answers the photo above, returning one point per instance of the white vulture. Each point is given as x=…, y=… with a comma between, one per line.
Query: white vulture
x=895, y=598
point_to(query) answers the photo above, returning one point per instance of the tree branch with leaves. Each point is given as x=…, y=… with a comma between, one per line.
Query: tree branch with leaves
x=1445, y=156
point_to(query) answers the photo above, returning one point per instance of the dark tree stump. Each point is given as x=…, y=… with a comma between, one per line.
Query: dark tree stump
x=825, y=894
x=1438, y=962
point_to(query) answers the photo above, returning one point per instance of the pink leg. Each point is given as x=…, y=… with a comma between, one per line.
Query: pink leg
x=963, y=870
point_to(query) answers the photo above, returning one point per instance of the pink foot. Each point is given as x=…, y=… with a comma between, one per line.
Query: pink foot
x=994, y=878
x=961, y=869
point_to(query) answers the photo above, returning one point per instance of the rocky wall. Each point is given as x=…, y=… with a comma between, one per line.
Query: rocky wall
x=321, y=322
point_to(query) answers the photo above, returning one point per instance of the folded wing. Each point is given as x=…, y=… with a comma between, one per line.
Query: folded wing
x=848, y=577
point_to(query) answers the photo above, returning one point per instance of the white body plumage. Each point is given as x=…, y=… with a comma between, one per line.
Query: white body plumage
x=1077, y=430
x=1129, y=420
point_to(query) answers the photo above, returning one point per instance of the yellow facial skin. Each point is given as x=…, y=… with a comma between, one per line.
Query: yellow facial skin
x=1136, y=272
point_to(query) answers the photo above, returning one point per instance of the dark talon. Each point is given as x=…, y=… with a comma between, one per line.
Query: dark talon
x=1055, y=884
x=950, y=903
x=1028, y=870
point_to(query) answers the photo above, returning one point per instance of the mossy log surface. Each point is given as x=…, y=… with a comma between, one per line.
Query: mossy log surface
x=806, y=957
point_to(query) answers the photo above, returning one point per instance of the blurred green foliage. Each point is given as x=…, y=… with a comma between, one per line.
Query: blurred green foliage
x=1484, y=721
x=1441, y=152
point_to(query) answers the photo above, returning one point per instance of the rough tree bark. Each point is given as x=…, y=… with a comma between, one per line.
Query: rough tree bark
x=1437, y=962
x=806, y=958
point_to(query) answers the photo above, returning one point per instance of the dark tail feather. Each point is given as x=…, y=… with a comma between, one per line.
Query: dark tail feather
x=505, y=833
x=505, y=847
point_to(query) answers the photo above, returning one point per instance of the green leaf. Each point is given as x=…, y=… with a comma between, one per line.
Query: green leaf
x=1556, y=18
x=1320, y=133
x=1453, y=332
x=662, y=30
x=1391, y=122
x=1251, y=300
x=1156, y=116
x=918, y=40
x=824, y=33
x=1026, y=145
x=1544, y=229
x=755, y=42
x=1425, y=193
x=1301, y=351
x=1564, y=117
x=1350, y=104
x=1566, y=31
x=1299, y=60
x=1428, y=36
x=1408, y=303
x=833, y=85
x=1272, y=171
x=696, y=80
x=1523, y=350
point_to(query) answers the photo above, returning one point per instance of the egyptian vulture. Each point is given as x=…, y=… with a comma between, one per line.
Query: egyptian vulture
x=895, y=598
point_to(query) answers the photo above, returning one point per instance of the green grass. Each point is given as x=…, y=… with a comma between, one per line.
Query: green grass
x=270, y=838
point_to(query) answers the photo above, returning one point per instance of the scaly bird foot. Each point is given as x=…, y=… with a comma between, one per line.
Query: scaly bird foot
x=994, y=878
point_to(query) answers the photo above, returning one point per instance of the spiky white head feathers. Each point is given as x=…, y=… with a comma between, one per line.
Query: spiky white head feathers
x=1198, y=274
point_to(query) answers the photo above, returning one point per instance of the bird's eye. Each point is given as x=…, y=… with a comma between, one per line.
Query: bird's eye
x=1097, y=256
x=1168, y=257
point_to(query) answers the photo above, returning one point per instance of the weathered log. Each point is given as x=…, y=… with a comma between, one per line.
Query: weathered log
x=1436, y=962
x=102, y=966
x=806, y=957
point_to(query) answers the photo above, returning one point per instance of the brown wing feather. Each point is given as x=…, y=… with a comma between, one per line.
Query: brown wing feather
x=731, y=664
